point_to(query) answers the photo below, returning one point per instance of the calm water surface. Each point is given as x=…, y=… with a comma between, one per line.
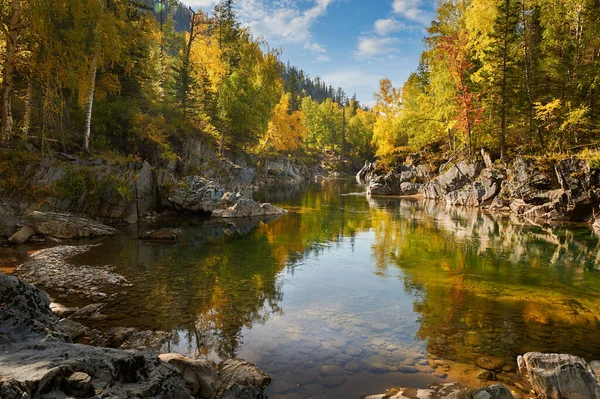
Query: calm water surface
x=346, y=295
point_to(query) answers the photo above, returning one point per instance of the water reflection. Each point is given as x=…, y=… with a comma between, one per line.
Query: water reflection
x=347, y=295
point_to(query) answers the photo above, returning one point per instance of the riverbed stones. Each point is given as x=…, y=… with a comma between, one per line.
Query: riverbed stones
x=67, y=225
x=48, y=267
x=558, y=376
x=329, y=370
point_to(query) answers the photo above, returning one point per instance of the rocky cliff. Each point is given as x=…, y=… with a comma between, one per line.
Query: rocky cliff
x=538, y=190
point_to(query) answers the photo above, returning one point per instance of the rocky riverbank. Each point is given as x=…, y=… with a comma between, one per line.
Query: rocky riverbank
x=539, y=190
x=122, y=190
x=38, y=359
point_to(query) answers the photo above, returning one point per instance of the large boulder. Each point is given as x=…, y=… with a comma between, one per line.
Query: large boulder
x=67, y=225
x=243, y=208
x=200, y=375
x=242, y=373
x=456, y=177
x=197, y=194
x=559, y=376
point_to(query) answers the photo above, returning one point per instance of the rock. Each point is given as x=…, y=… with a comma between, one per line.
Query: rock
x=485, y=375
x=79, y=385
x=487, y=159
x=61, y=311
x=241, y=372
x=145, y=192
x=75, y=330
x=497, y=391
x=88, y=311
x=131, y=338
x=36, y=357
x=161, y=235
x=490, y=363
x=558, y=376
x=200, y=375
x=197, y=194
x=67, y=225
x=243, y=392
x=378, y=368
x=455, y=178
x=247, y=208
x=364, y=175
x=21, y=236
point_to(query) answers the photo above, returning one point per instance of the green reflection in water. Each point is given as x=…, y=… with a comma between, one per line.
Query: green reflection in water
x=347, y=295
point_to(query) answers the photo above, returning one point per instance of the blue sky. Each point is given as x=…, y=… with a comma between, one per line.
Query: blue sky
x=348, y=43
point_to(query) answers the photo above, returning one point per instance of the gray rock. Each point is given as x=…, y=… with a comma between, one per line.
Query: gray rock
x=364, y=175
x=21, y=236
x=244, y=208
x=559, y=376
x=88, y=311
x=455, y=178
x=61, y=311
x=243, y=373
x=200, y=375
x=145, y=193
x=497, y=391
x=67, y=225
x=243, y=392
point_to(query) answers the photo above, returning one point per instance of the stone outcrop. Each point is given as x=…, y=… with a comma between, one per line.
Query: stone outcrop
x=67, y=225
x=555, y=191
x=197, y=194
x=559, y=376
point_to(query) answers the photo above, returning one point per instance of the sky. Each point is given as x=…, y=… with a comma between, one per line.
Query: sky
x=348, y=43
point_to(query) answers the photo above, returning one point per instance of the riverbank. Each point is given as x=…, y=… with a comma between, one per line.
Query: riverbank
x=118, y=190
x=543, y=191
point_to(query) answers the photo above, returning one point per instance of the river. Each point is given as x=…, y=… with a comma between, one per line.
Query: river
x=348, y=295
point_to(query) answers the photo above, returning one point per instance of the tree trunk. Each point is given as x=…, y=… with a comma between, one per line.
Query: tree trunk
x=28, y=105
x=90, y=105
x=504, y=82
x=8, y=71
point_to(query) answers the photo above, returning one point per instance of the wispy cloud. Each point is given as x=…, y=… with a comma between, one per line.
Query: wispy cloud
x=413, y=10
x=285, y=22
x=384, y=27
x=372, y=47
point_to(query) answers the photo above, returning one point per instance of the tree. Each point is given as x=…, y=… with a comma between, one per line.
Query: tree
x=286, y=129
x=11, y=26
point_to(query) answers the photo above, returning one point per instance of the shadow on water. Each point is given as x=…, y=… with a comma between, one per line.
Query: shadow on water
x=348, y=295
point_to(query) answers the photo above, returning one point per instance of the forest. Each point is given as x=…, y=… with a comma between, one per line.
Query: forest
x=139, y=77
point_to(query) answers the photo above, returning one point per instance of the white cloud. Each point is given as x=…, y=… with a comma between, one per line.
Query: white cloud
x=371, y=47
x=385, y=27
x=413, y=10
x=282, y=22
x=203, y=4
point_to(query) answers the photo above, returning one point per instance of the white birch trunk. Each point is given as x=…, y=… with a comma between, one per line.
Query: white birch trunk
x=89, y=107
x=8, y=71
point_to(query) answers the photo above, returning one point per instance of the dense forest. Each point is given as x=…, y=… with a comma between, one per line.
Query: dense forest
x=139, y=77
x=123, y=76
x=512, y=75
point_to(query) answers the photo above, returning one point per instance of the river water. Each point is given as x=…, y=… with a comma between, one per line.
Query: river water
x=348, y=295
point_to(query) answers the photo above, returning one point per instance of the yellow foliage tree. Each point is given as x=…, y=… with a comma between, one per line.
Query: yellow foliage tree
x=286, y=130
